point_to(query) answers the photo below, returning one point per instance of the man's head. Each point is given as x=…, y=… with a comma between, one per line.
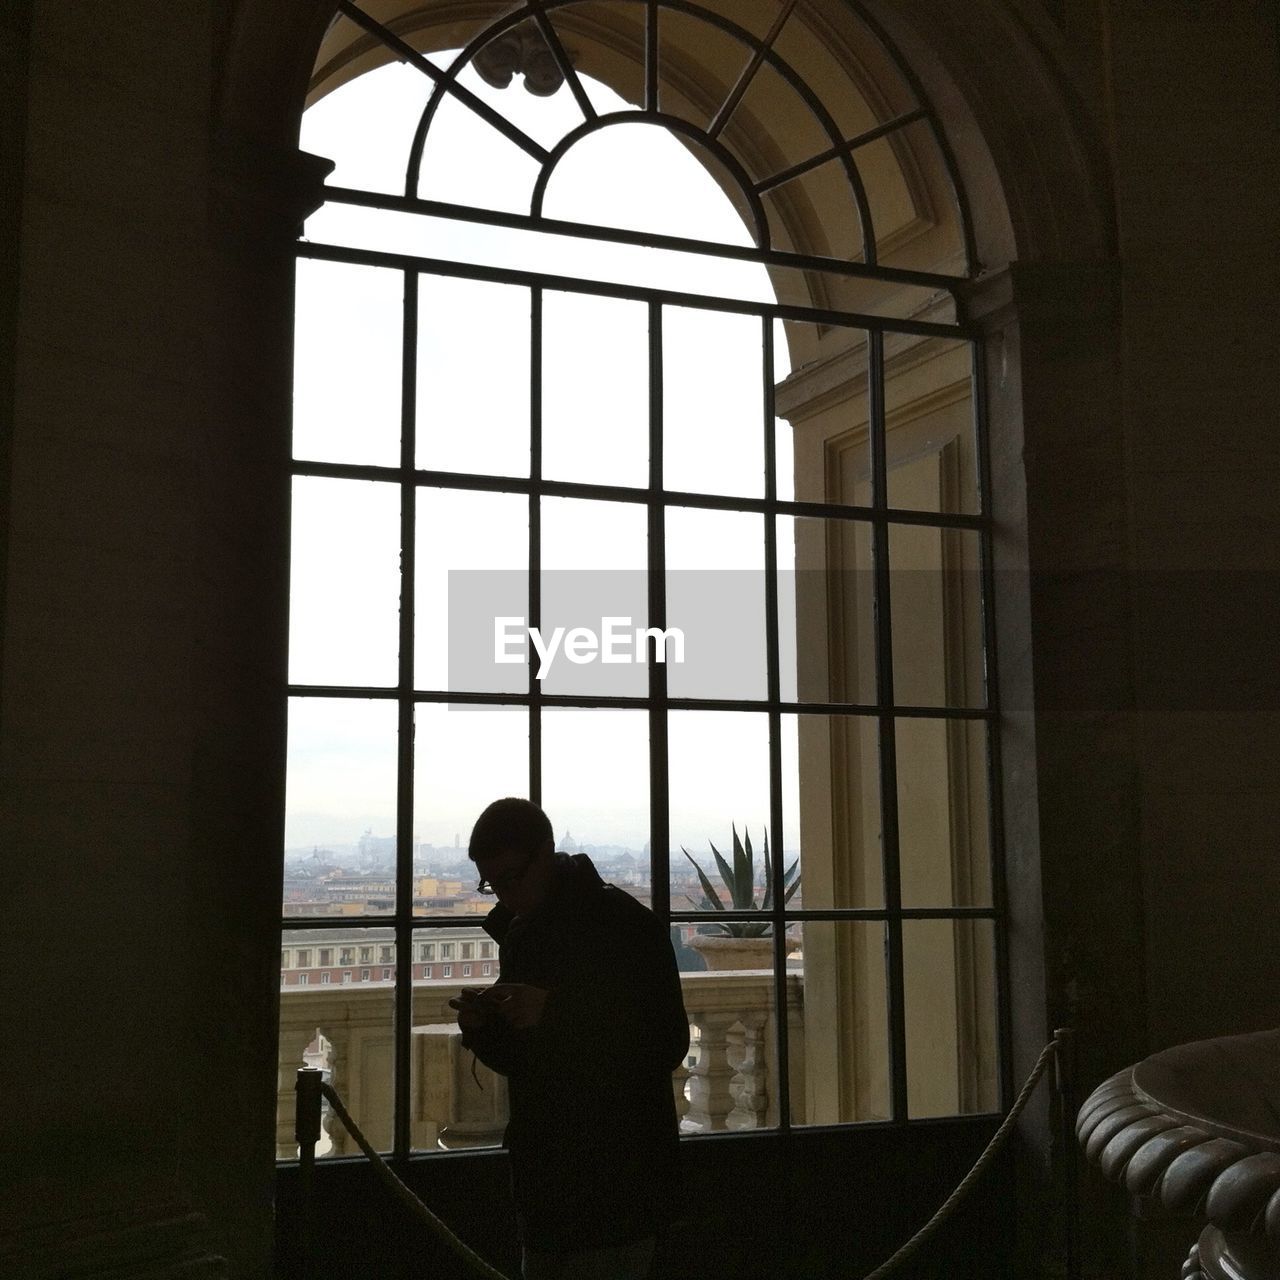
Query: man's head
x=513, y=847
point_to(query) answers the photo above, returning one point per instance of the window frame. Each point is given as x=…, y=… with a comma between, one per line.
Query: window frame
x=879, y=516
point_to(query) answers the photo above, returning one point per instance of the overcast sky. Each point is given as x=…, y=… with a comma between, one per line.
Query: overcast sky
x=472, y=414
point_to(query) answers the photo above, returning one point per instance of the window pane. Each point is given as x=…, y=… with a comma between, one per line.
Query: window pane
x=949, y=975
x=894, y=208
x=465, y=757
x=595, y=789
x=840, y=233
x=803, y=46
x=344, y=1027
x=720, y=58
x=716, y=599
x=943, y=835
x=718, y=783
x=935, y=588
x=472, y=567
x=595, y=389
x=473, y=376
x=625, y=176
x=455, y=1102
x=712, y=402
x=346, y=363
x=730, y=1077
x=799, y=133
x=826, y=611
x=467, y=161
x=340, y=807
x=344, y=589
x=594, y=587
x=385, y=102
x=820, y=399
x=587, y=534
x=831, y=810
x=929, y=441
x=838, y=1023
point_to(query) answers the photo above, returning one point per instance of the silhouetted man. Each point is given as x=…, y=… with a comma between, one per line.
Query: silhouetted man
x=587, y=1023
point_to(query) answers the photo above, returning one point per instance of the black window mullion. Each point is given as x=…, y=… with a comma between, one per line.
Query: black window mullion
x=774, y=694
x=995, y=788
x=563, y=61
x=887, y=737
x=785, y=258
x=324, y=252
x=535, y=538
x=403, y=1017
x=659, y=778
x=474, y=481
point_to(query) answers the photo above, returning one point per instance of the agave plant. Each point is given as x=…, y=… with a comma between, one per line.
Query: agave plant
x=740, y=880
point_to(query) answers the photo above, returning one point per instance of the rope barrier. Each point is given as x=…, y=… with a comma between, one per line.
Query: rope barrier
x=989, y=1153
x=944, y=1211
x=406, y=1197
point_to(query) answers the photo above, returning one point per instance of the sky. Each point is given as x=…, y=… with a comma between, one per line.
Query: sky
x=472, y=414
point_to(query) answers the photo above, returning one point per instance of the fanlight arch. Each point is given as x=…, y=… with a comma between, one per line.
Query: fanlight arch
x=717, y=106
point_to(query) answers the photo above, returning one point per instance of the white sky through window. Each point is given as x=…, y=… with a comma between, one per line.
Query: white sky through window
x=473, y=363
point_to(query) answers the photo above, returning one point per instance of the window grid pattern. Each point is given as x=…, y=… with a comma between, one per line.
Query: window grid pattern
x=656, y=500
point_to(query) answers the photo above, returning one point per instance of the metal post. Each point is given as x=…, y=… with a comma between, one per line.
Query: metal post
x=1064, y=1088
x=306, y=1129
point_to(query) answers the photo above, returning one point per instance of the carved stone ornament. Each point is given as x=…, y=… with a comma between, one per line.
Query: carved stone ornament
x=1195, y=1130
x=520, y=51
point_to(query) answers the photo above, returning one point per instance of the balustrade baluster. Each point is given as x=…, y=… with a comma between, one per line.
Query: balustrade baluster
x=749, y=1085
x=679, y=1081
x=710, y=1099
x=336, y=1054
x=293, y=1046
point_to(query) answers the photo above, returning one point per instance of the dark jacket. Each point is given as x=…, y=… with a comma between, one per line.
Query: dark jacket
x=593, y=1129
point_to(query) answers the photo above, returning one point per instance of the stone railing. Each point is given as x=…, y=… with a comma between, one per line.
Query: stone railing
x=728, y=1081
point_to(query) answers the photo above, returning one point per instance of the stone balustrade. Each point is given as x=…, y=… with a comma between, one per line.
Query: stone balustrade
x=728, y=1082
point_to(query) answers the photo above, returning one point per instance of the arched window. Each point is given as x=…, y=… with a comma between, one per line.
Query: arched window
x=623, y=317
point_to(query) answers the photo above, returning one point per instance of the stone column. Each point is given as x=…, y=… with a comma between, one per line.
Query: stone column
x=1050, y=364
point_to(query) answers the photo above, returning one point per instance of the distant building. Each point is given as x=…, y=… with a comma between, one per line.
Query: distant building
x=324, y=957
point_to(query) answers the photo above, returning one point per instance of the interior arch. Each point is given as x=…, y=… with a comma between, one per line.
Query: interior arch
x=927, y=241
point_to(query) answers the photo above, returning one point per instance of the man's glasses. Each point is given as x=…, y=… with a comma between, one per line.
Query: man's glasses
x=510, y=878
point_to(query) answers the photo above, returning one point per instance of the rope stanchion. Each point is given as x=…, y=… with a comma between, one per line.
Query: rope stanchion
x=306, y=1132
x=406, y=1197
x=1058, y=1045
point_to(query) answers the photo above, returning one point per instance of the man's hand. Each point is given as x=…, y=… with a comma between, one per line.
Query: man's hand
x=475, y=1008
x=517, y=1004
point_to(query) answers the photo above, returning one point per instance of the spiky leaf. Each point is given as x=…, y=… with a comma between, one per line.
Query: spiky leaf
x=744, y=868
x=768, y=876
x=712, y=898
x=726, y=873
